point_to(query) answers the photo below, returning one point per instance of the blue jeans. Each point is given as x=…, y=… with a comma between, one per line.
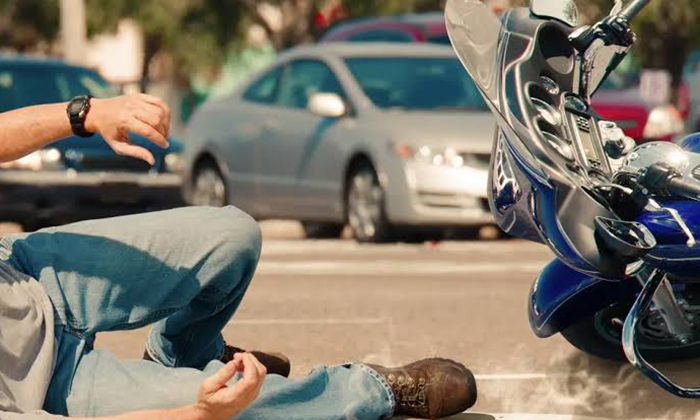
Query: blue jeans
x=185, y=271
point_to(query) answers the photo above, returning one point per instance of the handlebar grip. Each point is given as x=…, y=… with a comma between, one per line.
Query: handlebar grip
x=683, y=188
x=633, y=9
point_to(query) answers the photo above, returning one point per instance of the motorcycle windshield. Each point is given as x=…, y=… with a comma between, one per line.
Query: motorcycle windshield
x=475, y=31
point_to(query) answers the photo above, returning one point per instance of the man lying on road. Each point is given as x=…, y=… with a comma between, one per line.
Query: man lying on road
x=185, y=271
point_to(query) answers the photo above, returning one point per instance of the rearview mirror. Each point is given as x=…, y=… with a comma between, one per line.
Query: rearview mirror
x=328, y=105
x=563, y=10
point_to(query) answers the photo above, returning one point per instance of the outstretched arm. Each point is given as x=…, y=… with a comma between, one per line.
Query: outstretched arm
x=26, y=130
x=216, y=400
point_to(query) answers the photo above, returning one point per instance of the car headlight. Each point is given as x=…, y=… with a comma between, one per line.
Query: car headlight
x=173, y=162
x=448, y=157
x=664, y=121
x=46, y=159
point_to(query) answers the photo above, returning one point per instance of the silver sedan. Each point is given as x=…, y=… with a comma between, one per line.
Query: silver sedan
x=382, y=137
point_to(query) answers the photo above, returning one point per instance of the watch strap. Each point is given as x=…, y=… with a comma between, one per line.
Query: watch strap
x=77, y=119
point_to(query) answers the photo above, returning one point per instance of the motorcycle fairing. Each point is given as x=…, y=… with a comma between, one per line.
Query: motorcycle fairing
x=561, y=297
x=545, y=205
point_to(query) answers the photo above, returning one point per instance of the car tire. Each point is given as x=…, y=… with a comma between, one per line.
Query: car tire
x=209, y=187
x=592, y=337
x=365, y=206
x=314, y=230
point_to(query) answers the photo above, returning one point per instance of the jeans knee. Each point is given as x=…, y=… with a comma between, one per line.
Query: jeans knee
x=244, y=228
x=235, y=243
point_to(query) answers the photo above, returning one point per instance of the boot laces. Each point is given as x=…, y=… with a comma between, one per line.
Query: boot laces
x=408, y=391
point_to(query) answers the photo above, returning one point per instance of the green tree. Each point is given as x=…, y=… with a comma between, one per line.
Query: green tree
x=197, y=34
x=297, y=23
x=296, y=20
x=27, y=25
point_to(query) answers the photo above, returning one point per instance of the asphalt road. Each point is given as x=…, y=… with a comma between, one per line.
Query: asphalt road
x=334, y=301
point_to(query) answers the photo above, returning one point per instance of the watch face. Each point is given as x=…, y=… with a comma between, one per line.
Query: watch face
x=75, y=107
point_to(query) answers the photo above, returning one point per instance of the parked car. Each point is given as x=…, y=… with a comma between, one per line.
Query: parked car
x=619, y=100
x=427, y=27
x=76, y=178
x=380, y=137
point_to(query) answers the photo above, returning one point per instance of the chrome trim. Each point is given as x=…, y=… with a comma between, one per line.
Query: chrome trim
x=629, y=343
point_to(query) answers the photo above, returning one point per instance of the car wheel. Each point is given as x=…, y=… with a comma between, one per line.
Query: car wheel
x=209, y=187
x=365, y=206
x=322, y=230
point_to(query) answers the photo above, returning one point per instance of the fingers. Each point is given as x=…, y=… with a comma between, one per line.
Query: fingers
x=262, y=370
x=126, y=149
x=162, y=106
x=248, y=387
x=152, y=116
x=219, y=380
x=139, y=127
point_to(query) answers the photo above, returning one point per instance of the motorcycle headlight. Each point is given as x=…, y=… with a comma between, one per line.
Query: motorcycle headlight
x=173, y=162
x=664, y=121
x=46, y=159
x=448, y=157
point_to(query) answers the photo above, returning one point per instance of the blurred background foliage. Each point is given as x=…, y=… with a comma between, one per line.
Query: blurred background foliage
x=28, y=24
x=668, y=31
x=197, y=35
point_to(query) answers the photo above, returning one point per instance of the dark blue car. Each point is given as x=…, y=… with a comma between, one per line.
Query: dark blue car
x=76, y=178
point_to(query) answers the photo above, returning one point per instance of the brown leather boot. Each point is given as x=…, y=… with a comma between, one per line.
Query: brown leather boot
x=275, y=363
x=431, y=388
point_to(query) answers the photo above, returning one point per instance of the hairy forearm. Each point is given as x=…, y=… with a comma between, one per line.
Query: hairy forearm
x=26, y=130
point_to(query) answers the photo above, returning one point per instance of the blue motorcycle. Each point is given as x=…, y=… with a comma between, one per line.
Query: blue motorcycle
x=621, y=219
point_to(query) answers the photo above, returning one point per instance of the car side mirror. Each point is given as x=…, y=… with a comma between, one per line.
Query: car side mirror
x=328, y=105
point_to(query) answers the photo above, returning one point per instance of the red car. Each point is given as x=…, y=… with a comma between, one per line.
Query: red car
x=618, y=100
x=427, y=27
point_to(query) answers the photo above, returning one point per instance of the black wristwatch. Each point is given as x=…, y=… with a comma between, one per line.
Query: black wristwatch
x=77, y=111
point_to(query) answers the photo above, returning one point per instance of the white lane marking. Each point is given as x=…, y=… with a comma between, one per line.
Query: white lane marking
x=271, y=248
x=387, y=267
x=511, y=376
x=319, y=321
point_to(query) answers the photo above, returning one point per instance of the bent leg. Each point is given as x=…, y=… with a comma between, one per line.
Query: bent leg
x=191, y=266
x=106, y=386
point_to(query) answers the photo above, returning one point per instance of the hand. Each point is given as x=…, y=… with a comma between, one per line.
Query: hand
x=218, y=401
x=137, y=113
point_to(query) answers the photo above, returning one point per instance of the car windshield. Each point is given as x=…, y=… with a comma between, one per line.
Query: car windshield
x=25, y=86
x=415, y=83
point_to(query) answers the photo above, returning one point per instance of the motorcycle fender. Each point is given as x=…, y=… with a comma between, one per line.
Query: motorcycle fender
x=561, y=297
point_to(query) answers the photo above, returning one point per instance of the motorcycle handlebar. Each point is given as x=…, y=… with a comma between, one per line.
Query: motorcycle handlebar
x=633, y=9
x=682, y=188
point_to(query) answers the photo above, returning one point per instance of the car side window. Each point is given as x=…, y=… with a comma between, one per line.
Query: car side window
x=33, y=86
x=82, y=82
x=303, y=79
x=7, y=91
x=264, y=91
x=381, y=36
